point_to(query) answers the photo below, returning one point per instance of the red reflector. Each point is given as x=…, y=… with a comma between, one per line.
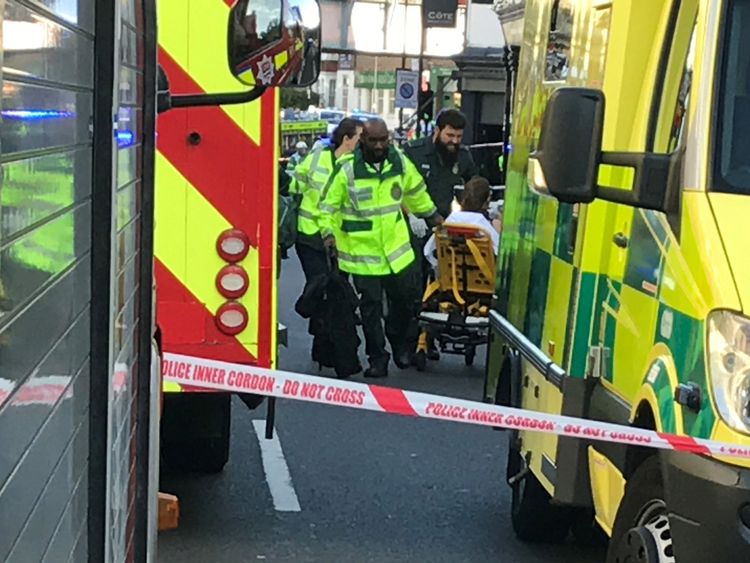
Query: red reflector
x=232, y=281
x=233, y=245
x=231, y=318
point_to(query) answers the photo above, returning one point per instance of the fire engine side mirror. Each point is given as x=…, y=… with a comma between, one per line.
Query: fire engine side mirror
x=565, y=164
x=275, y=42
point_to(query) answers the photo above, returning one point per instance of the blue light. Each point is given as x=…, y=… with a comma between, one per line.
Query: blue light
x=35, y=114
x=125, y=138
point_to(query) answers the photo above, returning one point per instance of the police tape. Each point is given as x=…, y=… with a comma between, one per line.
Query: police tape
x=223, y=376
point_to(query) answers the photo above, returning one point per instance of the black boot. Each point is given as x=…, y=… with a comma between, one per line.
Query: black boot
x=378, y=367
x=404, y=360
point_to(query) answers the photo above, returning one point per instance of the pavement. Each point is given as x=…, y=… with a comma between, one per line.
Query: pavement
x=345, y=485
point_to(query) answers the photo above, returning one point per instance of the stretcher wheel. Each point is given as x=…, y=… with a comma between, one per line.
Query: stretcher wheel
x=469, y=356
x=420, y=360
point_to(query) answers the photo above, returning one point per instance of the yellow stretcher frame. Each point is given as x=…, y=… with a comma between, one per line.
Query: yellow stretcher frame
x=455, y=306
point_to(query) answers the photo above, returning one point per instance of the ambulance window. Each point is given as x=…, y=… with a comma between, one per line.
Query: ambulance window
x=732, y=141
x=683, y=98
x=558, y=42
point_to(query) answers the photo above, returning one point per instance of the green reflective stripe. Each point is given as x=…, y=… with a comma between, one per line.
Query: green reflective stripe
x=358, y=259
x=305, y=214
x=430, y=213
x=388, y=209
x=327, y=208
x=399, y=252
x=349, y=226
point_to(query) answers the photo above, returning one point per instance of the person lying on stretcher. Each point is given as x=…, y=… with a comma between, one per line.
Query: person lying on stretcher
x=474, y=206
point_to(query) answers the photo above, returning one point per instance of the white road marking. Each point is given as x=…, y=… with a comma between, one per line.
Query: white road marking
x=277, y=472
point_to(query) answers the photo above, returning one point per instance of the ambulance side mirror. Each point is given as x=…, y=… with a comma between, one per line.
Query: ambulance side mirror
x=566, y=161
x=274, y=42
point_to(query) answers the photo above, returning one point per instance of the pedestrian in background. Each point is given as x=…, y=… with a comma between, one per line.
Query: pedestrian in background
x=299, y=155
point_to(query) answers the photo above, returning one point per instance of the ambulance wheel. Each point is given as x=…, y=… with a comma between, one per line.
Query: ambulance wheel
x=641, y=531
x=420, y=360
x=195, y=432
x=534, y=518
x=469, y=355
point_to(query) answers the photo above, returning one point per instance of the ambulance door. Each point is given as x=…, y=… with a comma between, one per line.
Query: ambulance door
x=631, y=324
x=625, y=245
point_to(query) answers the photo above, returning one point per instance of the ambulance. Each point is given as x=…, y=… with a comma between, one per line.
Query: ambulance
x=623, y=286
x=216, y=190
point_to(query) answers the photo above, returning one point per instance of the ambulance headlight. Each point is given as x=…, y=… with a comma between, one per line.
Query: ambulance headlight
x=729, y=367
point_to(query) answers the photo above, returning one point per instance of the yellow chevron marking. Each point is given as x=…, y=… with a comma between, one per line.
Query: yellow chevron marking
x=170, y=387
x=187, y=229
x=205, y=59
x=280, y=59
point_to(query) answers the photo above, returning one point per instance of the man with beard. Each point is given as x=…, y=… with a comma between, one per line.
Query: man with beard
x=362, y=206
x=444, y=163
x=442, y=160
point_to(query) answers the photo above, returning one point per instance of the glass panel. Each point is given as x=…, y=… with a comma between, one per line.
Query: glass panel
x=129, y=46
x=127, y=10
x=683, y=98
x=45, y=321
x=50, y=383
x=130, y=86
x=35, y=188
x=76, y=12
x=127, y=164
x=37, y=117
x=596, y=58
x=127, y=204
x=558, y=44
x=38, y=47
x=732, y=163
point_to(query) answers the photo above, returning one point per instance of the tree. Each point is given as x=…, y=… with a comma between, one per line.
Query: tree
x=300, y=98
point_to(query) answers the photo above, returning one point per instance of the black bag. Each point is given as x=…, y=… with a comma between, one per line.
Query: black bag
x=330, y=303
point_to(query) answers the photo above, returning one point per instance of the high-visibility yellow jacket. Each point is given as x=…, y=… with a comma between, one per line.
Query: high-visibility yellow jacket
x=362, y=207
x=309, y=179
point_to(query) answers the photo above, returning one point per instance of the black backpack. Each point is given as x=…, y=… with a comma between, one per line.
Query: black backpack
x=288, y=211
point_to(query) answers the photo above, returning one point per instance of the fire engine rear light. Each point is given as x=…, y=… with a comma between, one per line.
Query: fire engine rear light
x=231, y=318
x=233, y=245
x=232, y=281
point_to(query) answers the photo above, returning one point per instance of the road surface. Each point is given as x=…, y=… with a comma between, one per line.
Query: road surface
x=345, y=485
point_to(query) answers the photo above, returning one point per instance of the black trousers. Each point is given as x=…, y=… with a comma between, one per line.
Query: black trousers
x=313, y=260
x=402, y=294
x=314, y=263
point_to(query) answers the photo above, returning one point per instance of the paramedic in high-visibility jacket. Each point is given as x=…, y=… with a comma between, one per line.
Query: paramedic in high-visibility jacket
x=310, y=177
x=362, y=218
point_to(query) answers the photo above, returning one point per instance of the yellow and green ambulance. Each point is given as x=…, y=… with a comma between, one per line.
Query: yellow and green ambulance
x=623, y=287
